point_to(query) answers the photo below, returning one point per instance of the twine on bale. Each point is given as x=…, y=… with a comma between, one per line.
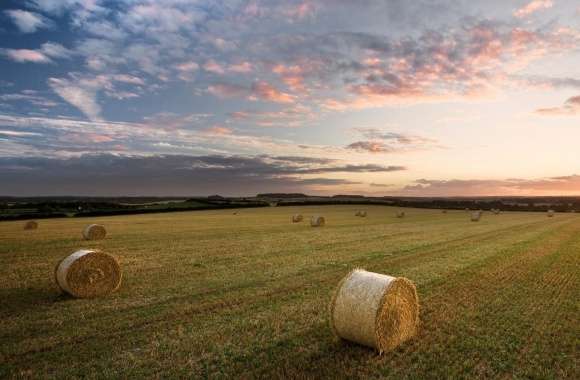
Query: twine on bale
x=317, y=221
x=88, y=274
x=374, y=310
x=30, y=225
x=94, y=232
x=297, y=218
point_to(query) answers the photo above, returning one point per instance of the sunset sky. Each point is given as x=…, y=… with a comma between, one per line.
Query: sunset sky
x=377, y=97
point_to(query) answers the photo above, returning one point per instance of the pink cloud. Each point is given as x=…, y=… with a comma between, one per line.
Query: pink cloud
x=214, y=67
x=224, y=90
x=532, y=7
x=26, y=55
x=265, y=91
x=218, y=130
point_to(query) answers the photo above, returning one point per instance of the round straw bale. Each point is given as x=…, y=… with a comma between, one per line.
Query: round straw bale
x=94, y=232
x=296, y=218
x=475, y=216
x=357, y=213
x=374, y=310
x=88, y=273
x=444, y=211
x=550, y=213
x=362, y=214
x=400, y=214
x=317, y=221
x=30, y=225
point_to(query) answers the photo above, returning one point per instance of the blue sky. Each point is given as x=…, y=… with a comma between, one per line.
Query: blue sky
x=180, y=97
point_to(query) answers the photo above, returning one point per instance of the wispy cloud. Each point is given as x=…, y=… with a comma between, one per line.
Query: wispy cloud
x=533, y=7
x=28, y=22
x=570, y=107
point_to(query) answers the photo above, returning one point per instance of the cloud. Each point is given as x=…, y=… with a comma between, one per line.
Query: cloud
x=264, y=91
x=259, y=90
x=47, y=51
x=165, y=175
x=382, y=141
x=533, y=7
x=25, y=55
x=570, y=107
x=28, y=22
x=562, y=185
x=81, y=94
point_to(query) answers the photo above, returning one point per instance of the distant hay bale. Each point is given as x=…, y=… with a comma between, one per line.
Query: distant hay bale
x=94, y=232
x=357, y=213
x=88, y=274
x=551, y=213
x=475, y=216
x=362, y=214
x=317, y=221
x=30, y=225
x=374, y=310
x=496, y=211
x=400, y=214
x=444, y=211
x=297, y=218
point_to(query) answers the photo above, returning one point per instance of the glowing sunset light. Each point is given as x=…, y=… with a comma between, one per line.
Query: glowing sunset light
x=320, y=97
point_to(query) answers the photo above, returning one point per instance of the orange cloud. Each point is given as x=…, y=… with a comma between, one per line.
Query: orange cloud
x=265, y=91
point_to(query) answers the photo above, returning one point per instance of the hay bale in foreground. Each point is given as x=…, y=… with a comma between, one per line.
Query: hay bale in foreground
x=317, y=221
x=475, y=216
x=88, y=273
x=94, y=232
x=30, y=225
x=374, y=310
x=297, y=218
x=400, y=214
x=551, y=213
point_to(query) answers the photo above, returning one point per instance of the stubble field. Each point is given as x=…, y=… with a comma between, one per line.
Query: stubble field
x=209, y=294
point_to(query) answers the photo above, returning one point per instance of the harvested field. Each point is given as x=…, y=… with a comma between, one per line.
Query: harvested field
x=208, y=295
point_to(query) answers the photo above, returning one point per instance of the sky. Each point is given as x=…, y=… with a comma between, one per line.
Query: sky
x=374, y=97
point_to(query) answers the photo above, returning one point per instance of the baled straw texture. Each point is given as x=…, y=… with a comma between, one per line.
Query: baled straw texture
x=297, y=218
x=94, y=232
x=375, y=310
x=317, y=221
x=88, y=274
x=550, y=213
x=475, y=216
x=30, y=225
x=400, y=214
